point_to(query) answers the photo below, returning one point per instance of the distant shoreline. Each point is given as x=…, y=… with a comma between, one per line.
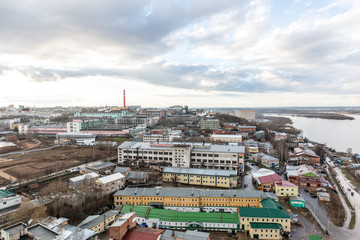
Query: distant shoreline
x=333, y=116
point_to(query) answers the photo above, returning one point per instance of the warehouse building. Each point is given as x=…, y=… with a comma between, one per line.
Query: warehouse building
x=201, y=177
x=190, y=198
x=210, y=156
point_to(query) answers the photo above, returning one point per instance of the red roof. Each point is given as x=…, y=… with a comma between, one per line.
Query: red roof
x=142, y=233
x=285, y=184
x=269, y=178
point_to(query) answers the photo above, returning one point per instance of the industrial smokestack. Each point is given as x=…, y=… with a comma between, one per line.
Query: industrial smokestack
x=124, y=99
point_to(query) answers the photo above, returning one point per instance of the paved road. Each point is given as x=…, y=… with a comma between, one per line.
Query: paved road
x=343, y=202
x=28, y=151
x=247, y=178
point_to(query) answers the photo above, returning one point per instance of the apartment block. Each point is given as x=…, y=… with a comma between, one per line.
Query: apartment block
x=210, y=124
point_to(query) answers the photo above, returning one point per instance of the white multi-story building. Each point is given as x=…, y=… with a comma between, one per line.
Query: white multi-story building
x=136, y=120
x=23, y=128
x=206, y=155
x=148, y=137
x=74, y=126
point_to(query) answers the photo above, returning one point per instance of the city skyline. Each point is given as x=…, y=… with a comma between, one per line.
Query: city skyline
x=203, y=53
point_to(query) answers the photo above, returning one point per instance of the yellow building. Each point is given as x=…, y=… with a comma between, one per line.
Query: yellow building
x=201, y=177
x=270, y=213
x=189, y=197
x=265, y=231
x=226, y=138
x=286, y=188
x=98, y=223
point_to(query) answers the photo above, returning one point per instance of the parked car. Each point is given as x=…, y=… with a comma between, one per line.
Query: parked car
x=313, y=195
x=306, y=190
x=294, y=217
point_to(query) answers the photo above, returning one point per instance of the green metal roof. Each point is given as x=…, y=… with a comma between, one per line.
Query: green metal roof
x=263, y=213
x=266, y=225
x=171, y=215
x=140, y=211
x=229, y=218
x=310, y=174
x=126, y=208
x=270, y=203
x=5, y=194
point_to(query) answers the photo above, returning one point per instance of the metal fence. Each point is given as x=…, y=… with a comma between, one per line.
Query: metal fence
x=323, y=227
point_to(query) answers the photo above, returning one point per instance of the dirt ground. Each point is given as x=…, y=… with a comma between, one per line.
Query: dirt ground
x=4, y=181
x=31, y=165
x=335, y=210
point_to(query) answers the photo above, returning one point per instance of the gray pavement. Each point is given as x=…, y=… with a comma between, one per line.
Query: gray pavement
x=247, y=178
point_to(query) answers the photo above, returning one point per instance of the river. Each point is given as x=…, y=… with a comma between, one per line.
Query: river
x=337, y=134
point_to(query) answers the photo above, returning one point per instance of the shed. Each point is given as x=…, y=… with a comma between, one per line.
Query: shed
x=297, y=201
x=324, y=196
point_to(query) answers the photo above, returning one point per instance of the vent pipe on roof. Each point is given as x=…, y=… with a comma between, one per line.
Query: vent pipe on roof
x=135, y=192
x=157, y=192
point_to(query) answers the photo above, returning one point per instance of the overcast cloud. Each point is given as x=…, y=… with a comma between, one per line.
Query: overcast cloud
x=219, y=51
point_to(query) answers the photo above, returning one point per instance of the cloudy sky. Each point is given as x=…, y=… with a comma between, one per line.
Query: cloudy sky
x=201, y=53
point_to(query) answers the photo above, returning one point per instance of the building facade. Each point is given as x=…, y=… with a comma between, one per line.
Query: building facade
x=226, y=138
x=111, y=183
x=148, y=137
x=8, y=199
x=133, y=121
x=247, y=114
x=210, y=156
x=250, y=129
x=189, y=197
x=210, y=124
x=201, y=177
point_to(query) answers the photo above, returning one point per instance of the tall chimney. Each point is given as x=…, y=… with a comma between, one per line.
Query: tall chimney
x=124, y=99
